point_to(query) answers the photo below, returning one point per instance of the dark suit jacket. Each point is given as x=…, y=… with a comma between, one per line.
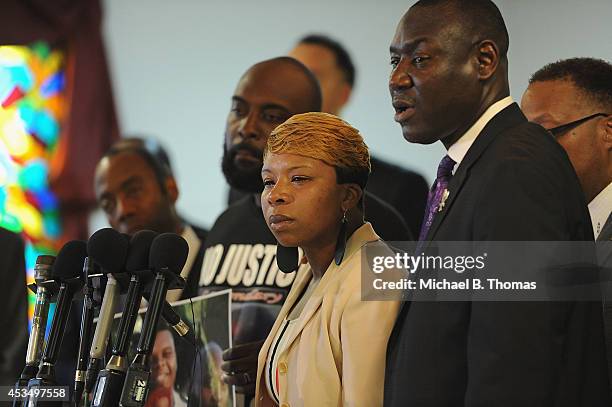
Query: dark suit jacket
x=403, y=189
x=14, y=308
x=385, y=219
x=515, y=183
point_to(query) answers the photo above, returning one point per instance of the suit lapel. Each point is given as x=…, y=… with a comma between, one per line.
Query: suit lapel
x=507, y=118
x=606, y=231
x=299, y=285
x=606, y=236
x=312, y=305
x=359, y=238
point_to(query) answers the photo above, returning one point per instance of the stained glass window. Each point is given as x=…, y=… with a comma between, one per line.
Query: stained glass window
x=32, y=105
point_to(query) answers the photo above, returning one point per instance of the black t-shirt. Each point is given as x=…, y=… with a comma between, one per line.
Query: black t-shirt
x=240, y=253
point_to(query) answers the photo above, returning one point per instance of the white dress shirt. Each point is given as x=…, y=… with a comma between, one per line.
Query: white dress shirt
x=600, y=208
x=460, y=148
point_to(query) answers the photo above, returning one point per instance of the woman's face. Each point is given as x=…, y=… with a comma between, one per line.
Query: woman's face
x=301, y=200
x=164, y=360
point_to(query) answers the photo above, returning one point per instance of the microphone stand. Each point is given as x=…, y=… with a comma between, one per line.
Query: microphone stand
x=91, y=294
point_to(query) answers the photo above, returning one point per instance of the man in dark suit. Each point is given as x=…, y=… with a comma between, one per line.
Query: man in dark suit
x=572, y=98
x=503, y=179
x=14, y=309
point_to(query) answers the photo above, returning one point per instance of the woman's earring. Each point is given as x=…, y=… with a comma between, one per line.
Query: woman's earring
x=287, y=258
x=341, y=242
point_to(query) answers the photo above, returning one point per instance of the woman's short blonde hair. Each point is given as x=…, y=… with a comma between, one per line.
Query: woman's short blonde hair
x=324, y=137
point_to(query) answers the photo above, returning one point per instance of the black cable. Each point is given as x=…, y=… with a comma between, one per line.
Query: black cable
x=196, y=358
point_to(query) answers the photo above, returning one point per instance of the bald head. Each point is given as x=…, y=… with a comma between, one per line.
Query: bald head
x=478, y=19
x=267, y=94
x=290, y=76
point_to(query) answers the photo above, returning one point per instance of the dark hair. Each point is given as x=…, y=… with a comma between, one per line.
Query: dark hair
x=590, y=75
x=151, y=151
x=481, y=17
x=343, y=59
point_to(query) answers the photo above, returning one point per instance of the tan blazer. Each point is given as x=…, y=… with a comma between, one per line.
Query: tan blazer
x=335, y=354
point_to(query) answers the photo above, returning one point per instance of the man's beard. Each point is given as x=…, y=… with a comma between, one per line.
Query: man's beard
x=247, y=178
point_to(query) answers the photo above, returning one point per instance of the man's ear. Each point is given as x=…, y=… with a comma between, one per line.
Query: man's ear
x=487, y=55
x=171, y=189
x=352, y=195
x=345, y=93
x=607, y=132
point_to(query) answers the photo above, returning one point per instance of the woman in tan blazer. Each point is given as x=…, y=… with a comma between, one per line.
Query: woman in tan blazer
x=327, y=346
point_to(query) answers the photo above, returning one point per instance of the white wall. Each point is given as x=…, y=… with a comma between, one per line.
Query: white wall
x=175, y=65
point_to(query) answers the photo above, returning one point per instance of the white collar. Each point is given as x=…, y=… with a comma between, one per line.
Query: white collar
x=460, y=148
x=194, y=243
x=600, y=208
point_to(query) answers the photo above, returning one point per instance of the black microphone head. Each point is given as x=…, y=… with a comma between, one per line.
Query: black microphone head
x=140, y=245
x=168, y=250
x=69, y=260
x=109, y=249
x=45, y=259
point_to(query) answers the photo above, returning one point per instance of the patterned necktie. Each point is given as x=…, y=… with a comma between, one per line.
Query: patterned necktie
x=434, y=199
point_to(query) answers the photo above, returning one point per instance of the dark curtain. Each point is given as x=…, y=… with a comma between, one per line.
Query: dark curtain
x=90, y=126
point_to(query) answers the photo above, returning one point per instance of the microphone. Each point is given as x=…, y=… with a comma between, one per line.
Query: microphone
x=89, y=304
x=174, y=320
x=167, y=257
x=66, y=269
x=110, y=380
x=46, y=288
x=109, y=249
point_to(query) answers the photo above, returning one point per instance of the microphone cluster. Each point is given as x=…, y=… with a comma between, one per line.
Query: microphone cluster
x=95, y=273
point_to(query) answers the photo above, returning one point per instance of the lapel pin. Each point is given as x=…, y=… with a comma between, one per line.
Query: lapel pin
x=445, y=195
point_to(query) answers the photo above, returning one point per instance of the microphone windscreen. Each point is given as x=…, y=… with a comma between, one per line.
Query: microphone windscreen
x=140, y=245
x=168, y=250
x=109, y=249
x=69, y=260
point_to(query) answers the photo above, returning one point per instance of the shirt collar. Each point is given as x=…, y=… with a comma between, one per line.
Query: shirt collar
x=460, y=148
x=600, y=208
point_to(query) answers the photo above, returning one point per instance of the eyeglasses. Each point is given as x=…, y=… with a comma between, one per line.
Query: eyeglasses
x=564, y=128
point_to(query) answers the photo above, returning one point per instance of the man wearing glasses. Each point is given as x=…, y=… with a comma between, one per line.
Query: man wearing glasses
x=572, y=98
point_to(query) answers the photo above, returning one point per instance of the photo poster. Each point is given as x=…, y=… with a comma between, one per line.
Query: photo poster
x=183, y=375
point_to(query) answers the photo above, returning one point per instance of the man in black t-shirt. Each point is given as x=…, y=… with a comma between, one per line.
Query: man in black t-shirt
x=240, y=251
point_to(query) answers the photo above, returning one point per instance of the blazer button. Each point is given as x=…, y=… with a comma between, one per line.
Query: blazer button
x=282, y=368
x=284, y=405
